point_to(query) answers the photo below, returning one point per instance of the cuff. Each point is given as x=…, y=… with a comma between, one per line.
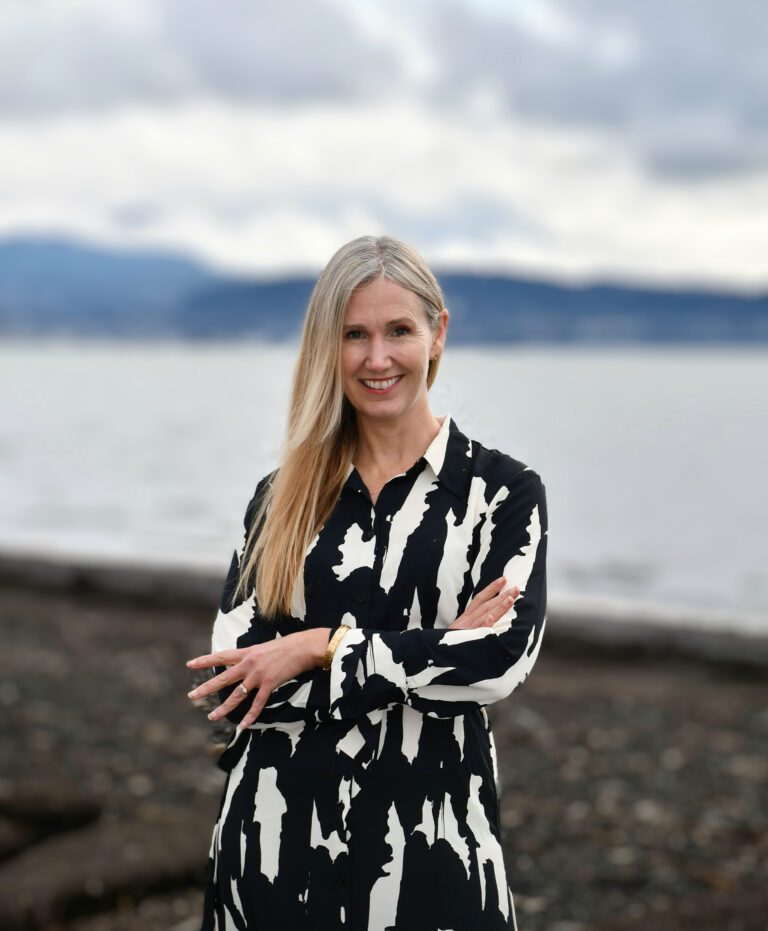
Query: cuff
x=364, y=675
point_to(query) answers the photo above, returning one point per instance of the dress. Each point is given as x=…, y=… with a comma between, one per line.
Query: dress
x=367, y=797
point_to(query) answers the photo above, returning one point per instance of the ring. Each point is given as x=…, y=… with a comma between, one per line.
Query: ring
x=243, y=689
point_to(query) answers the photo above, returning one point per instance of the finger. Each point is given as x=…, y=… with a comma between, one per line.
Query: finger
x=222, y=658
x=502, y=604
x=469, y=622
x=510, y=596
x=487, y=593
x=489, y=612
x=237, y=696
x=262, y=697
x=498, y=604
x=228, y=677
x=485, y=600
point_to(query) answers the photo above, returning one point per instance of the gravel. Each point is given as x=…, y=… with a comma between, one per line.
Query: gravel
x=634, y=786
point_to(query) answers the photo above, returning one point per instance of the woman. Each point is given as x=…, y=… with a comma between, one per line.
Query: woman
x=401, y=588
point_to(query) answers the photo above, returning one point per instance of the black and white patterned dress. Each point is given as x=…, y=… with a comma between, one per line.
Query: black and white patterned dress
x=367, y=797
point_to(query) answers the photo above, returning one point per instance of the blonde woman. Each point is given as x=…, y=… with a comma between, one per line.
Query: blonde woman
x=390, y=584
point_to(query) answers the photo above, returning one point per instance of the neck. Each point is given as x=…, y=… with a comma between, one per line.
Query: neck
x=385, y=445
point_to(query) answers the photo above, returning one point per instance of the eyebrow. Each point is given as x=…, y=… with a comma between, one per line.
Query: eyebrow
x=361, y=326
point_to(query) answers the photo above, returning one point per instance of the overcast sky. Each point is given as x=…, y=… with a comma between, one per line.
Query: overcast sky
x=578, y=139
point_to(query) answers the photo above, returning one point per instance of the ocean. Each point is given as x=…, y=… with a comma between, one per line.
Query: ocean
x=654, y=459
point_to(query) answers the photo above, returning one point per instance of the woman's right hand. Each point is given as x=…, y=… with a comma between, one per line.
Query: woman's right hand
x=487, y=606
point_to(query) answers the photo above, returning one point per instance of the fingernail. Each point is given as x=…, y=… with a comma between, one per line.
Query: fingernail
x=213, y=715
x=192, y=694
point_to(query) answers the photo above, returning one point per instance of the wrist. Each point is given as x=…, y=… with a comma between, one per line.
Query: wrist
x=318, y=644
x=335, y=638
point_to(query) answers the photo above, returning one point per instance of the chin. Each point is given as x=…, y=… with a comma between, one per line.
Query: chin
x=371, y=407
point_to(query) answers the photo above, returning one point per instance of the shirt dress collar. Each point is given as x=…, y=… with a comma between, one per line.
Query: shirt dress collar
x=449, y=456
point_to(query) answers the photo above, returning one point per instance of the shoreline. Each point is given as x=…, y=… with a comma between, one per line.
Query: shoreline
x=611, y=625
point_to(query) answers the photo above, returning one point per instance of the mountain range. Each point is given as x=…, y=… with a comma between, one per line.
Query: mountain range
x=52, y=287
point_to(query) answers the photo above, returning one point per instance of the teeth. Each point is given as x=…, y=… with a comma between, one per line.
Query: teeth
x=380, y=384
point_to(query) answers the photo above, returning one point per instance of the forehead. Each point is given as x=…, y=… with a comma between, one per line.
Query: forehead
x=380, y=297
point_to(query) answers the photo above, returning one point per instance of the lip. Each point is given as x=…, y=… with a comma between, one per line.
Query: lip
x=383, y=390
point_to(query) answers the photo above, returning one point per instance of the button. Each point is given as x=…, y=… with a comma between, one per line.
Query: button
x=360, y=597
x=341, y=880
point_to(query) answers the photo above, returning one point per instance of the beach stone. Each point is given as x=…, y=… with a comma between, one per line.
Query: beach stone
x=15, y=836
x=180, y=910
x=49, y=802
x=94, y=867
x=633, y=786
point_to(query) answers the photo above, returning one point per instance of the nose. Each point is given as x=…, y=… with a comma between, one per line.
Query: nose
x=378, y=358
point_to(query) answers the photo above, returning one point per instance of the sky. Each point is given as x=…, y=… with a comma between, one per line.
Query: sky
x=574, y=141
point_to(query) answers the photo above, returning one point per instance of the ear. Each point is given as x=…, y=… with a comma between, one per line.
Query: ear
x=438, y=340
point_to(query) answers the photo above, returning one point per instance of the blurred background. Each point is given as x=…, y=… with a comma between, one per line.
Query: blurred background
x=589, y=182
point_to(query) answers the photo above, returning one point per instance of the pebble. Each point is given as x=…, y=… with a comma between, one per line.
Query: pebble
x=604, y=828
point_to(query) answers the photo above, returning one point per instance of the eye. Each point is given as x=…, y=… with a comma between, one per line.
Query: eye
x=352, y=334
x=403, y=327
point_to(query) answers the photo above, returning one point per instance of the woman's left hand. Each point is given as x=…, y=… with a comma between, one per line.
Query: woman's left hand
x=263, y=666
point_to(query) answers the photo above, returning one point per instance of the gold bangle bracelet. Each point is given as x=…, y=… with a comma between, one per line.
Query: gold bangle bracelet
x=333, y=643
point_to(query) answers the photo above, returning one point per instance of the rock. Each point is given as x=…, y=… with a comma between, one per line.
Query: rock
x=180, y=910
x=49, y=802
x=15, y=836
x=632, y=787
x=92, y=868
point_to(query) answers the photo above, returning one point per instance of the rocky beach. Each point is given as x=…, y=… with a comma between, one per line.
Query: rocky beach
x=634, y=769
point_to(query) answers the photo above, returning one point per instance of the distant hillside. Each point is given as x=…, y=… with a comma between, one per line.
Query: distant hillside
x=52, y=287
x=56, y=286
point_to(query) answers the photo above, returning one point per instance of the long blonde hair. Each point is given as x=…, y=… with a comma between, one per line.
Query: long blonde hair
x=322, y=425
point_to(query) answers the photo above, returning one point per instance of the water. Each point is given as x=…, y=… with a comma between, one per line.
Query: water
x=654, y=459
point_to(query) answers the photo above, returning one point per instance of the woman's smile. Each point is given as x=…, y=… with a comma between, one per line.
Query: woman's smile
x=381, y=385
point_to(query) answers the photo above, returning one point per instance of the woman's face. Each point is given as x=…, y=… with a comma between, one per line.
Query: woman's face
x=386, y=336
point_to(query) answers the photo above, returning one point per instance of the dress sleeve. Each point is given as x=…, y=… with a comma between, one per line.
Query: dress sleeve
x=448, y=672
x=239, y=624
x=438, y=672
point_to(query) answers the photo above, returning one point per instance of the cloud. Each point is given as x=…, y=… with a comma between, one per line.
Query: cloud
x=90, y=55
x=573, y=139
x=684, y=85
x=261, y=189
